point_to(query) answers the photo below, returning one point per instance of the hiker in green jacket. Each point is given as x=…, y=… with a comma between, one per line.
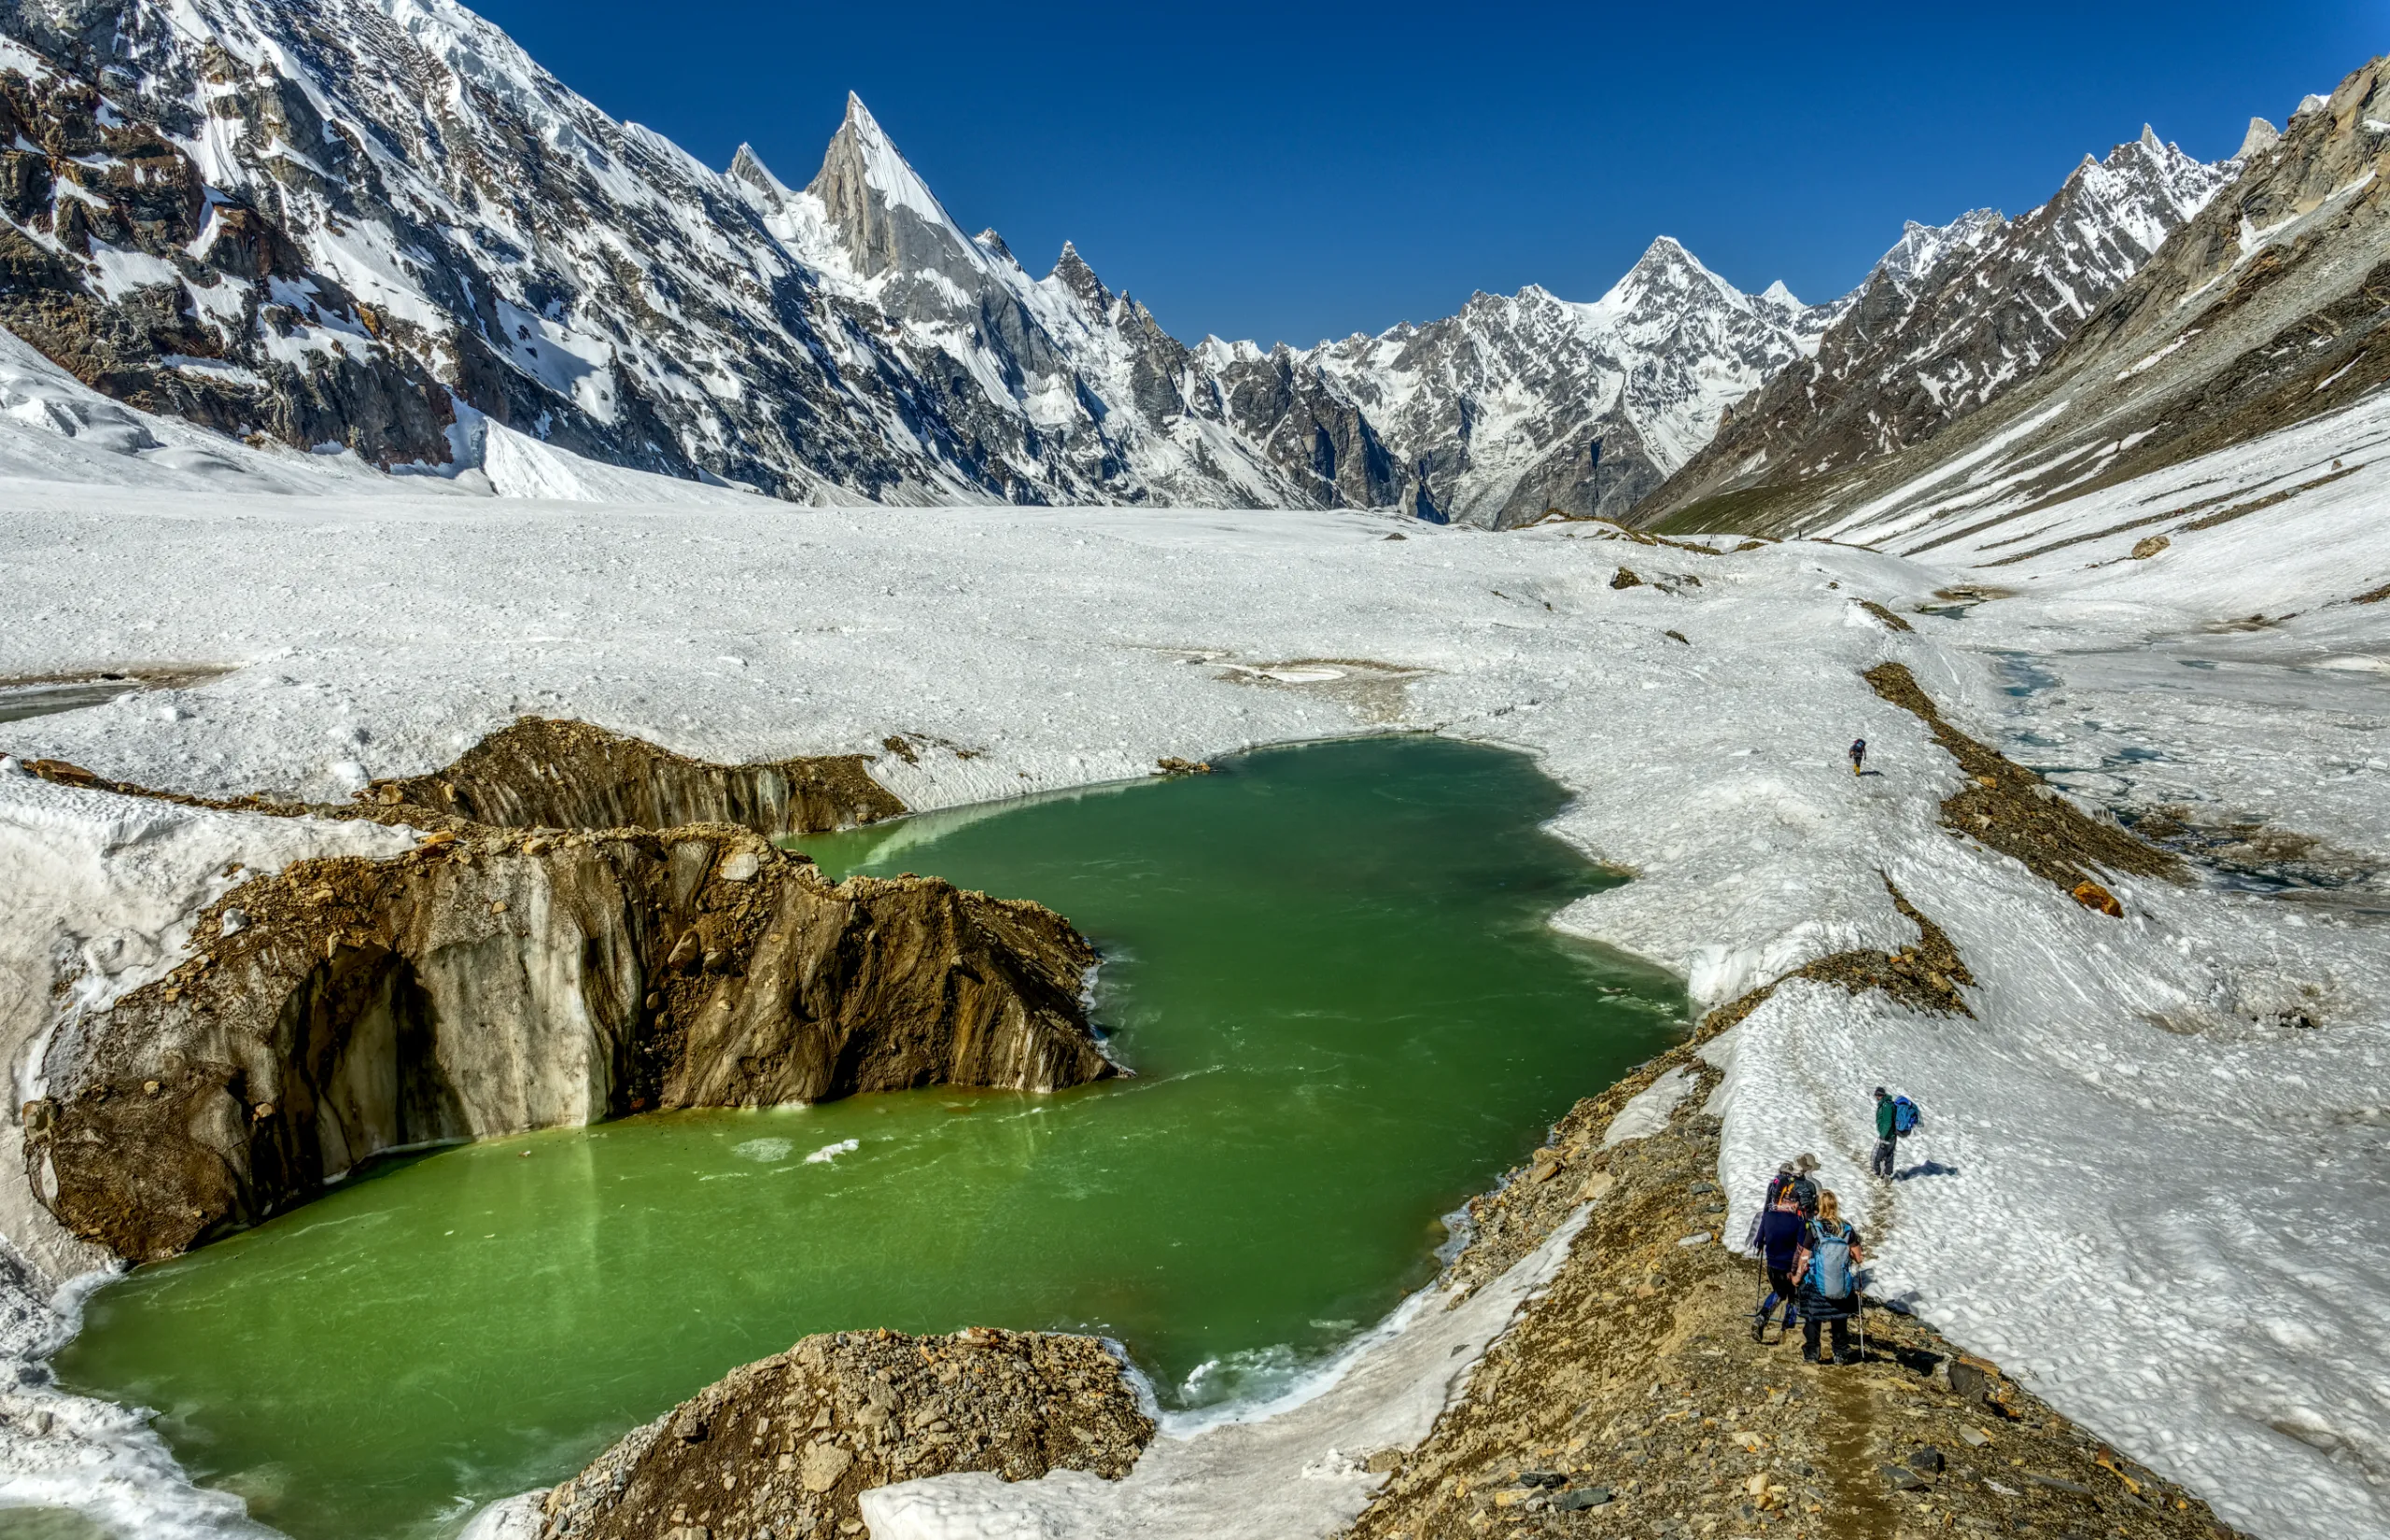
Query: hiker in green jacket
x=1896, y=1118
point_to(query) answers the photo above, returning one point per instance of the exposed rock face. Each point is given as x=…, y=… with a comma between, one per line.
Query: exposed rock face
x=782, y=1447
x=546, y=774
x=1950, y=318
x=492, y=983
x=2264, y=310
x=121, y=263
x=1306, y=422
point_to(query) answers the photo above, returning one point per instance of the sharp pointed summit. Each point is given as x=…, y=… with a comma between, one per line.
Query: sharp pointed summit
x=885, y=215
x=1072, y=272
x=747, y=168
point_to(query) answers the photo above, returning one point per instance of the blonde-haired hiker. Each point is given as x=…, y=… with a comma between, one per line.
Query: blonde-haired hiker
x=1827, y=1272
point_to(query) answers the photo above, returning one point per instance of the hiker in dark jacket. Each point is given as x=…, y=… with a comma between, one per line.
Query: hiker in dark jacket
x=1778, y=1239
x=1892, y=1126
x=1805, y=1185
x=1827, y=1270
x=1858, y=756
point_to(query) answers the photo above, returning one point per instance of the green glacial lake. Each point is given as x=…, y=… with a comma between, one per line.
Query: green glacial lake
x=1329, y=967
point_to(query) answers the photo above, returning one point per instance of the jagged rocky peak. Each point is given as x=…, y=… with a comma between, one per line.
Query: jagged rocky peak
x=1950, y=319
x=747, y=168
x=2261, y=137
x=885, y=215
x=1072, y=272
x=2147, y=187
x=1920, y=246
x=993, y=244
x=1667, y=268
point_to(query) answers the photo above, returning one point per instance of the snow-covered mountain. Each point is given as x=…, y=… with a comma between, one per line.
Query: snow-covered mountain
x=1951, y=317
x=1526, y=402
x=370, y=223
x=374, y=224
x=2266, y=310
x=378, y=225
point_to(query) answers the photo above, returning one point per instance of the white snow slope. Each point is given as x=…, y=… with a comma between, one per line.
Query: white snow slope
x=2151, y=1195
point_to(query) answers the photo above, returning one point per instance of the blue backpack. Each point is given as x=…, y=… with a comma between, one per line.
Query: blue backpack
x=1905, y=1116
x=1829, y=1261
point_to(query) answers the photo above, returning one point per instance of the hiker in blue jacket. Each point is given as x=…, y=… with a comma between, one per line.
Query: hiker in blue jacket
x=1896, y=1118
x=1778, y=1239
x=1827, y=1271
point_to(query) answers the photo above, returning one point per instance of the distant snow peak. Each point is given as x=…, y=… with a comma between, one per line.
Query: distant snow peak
x=746, y=169
x=1666, y=265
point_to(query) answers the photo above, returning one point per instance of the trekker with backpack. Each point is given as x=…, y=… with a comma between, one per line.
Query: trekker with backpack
x=1804, y=1185
x=1858, y=756
x=1896, y=1118
x=1778, y=1239
x=1827, y=1268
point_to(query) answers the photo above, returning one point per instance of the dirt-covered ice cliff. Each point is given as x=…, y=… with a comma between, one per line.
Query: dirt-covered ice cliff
x=346, y=1006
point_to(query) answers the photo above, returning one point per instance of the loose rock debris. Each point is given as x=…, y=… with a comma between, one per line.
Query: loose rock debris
x=781, y=1448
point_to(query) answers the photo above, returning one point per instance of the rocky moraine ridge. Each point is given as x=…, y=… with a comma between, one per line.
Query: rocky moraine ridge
x=781, y=1449
x=382, y=228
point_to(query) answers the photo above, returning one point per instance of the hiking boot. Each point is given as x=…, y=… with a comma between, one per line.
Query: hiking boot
x=1759, y=1328
x=1848, y=1358
x=1809, y=1355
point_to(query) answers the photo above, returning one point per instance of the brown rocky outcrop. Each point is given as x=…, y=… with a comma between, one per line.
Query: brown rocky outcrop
x=781, y=1448
x=546, y=774
x=492, y=983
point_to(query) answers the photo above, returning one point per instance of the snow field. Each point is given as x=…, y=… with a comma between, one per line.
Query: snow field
x=2170, y=1218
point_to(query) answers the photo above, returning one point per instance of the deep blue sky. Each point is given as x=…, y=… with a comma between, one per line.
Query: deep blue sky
x=1296, y=170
